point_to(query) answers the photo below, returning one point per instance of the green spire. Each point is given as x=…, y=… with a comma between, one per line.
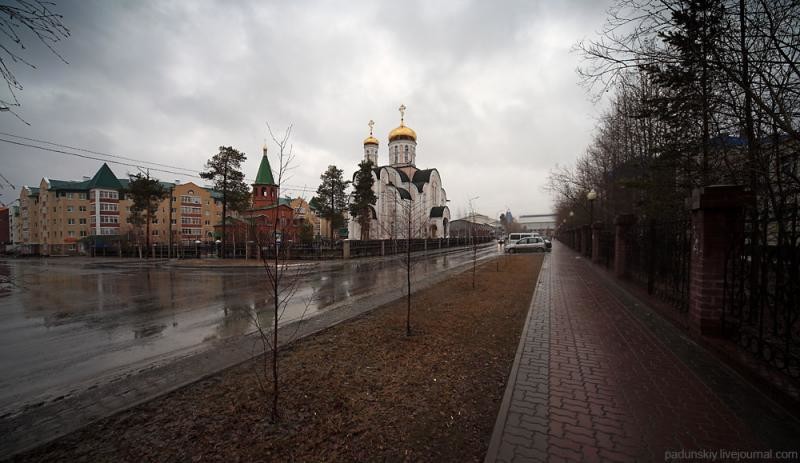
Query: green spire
x=104, y=178
x=264, y=176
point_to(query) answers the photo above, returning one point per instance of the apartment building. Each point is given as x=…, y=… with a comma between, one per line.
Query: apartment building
x=65, y=216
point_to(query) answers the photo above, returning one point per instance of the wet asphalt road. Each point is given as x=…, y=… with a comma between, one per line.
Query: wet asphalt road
x=66, y=323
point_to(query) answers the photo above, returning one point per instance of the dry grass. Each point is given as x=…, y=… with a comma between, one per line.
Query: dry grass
x=360, y=391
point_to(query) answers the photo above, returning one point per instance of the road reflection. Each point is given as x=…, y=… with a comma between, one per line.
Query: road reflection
x=67, y=321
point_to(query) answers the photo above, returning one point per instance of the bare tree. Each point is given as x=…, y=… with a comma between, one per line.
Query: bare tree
x=406, y=222
x=473, y=238
x=270, y=231
x=19, y=19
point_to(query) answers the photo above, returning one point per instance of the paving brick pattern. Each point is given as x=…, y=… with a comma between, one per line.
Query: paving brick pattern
x=524, y=412
x=620, y=384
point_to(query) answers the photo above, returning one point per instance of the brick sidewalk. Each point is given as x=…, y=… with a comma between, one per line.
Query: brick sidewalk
x=600, y=377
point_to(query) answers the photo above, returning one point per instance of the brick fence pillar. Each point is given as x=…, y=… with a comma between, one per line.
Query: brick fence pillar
x=597, y=227
x=346, y=249
x=717, y=223
x=621, y=245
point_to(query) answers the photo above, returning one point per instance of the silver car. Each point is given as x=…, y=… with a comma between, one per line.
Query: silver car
x=531, y=244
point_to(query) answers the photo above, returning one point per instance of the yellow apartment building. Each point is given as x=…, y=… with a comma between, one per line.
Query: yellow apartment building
x=62, y=216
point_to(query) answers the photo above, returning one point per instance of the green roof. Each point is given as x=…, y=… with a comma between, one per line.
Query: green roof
x=104, y=178
x=33, y=191
x=70, y=185
x=264, y=176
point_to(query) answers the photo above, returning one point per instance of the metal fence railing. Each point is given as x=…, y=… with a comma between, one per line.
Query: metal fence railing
x=761, y=303
x=659, y=258
x=606, y=251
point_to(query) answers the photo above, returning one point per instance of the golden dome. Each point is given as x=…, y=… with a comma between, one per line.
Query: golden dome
x=402, y=132
x=370, y=140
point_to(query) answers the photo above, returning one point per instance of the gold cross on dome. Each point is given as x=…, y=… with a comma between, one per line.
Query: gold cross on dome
x=371, y=123
x=402, y=109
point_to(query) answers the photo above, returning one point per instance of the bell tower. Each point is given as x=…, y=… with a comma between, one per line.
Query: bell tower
x=371, y=146
x=265, y=191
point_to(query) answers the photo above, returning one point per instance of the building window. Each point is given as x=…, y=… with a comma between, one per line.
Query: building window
x=82, y=196
x=81, y=208
x=83, y=232
x=155, y=233
x=70, y=195
x=192, y=231
x=82, y=221
x=71, y=233
x=70, y=221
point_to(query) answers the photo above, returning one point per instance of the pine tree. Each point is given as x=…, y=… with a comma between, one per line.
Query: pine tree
x=225, y=170
x=363, y=197
x=331, y=197
x=145, y=193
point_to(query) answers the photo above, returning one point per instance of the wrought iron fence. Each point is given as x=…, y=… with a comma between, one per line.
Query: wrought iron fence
x=659, y=257
x=606, y=251
x=761, y=303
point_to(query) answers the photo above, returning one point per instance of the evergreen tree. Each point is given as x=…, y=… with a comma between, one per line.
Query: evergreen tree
x=145, y=193
x=331, y=197
x=690, y=77
x=224, y=169
x=363, y=197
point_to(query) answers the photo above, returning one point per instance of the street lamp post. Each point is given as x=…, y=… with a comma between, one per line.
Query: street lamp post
x=591, y=196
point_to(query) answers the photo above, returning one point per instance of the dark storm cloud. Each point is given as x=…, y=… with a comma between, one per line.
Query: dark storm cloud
x=491, y=88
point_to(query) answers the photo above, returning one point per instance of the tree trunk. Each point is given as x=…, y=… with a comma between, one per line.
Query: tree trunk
x=147, y=232
x=408, y=282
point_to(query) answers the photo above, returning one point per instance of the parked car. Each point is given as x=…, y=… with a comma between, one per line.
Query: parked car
x=530, y=244
x=514, y=237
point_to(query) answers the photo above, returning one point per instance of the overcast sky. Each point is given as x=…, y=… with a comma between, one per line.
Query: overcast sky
x=490, y=87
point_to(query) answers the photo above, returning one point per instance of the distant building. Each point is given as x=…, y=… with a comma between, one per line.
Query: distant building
x=544, y=224
x=270, y=216
x=474, y=225
x=13, y=218
x=402, y=188
x=5, y=227
x=64, y=216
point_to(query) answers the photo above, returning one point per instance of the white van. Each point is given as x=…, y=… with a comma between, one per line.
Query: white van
x=514, y=237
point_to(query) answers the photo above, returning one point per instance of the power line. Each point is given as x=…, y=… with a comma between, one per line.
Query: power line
x=99, y=153
x=85, y=156
x=141, y=164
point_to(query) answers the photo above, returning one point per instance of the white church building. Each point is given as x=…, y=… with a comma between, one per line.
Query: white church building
x=406, y=194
